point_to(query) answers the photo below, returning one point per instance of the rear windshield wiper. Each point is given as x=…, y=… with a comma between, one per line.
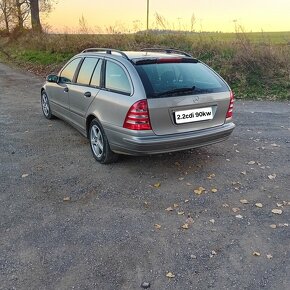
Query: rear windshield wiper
x=176, y=91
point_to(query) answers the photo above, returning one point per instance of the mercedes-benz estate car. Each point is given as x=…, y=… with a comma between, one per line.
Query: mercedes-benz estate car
x=140, y=102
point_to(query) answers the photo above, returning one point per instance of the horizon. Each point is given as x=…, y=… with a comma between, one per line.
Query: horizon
x=199, y=16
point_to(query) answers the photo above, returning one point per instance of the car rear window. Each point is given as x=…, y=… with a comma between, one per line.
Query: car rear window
x=181, y=78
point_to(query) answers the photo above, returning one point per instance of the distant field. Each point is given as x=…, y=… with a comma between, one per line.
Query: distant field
x=256, y=37
x=256, y=65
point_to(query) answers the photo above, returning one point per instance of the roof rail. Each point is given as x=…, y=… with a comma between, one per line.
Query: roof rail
x=166, y=50
x=106, y=50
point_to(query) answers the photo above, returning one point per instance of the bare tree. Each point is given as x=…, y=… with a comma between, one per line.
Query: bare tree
x=15, y=13
x=35, y=19
x=21, y=12
x=37, y=7
x=192, y=22
x=6, y=8
x=160, y=20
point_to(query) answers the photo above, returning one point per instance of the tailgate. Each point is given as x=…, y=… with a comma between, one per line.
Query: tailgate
x=188, y=113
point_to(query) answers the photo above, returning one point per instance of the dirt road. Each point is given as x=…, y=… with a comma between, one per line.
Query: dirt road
x=67, y=222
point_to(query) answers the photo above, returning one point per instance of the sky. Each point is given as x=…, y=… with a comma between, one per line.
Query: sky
x=130, y=15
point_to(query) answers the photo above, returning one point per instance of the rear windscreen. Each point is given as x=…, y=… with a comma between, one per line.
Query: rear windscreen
x=173, y=79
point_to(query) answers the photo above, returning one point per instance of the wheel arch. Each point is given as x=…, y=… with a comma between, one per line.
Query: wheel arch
x=89, y=119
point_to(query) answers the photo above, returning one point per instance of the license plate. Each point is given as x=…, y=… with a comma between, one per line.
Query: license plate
x=194, y=115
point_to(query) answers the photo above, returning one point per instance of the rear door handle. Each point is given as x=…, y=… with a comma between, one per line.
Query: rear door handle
x=65, y=90
x=87, y=94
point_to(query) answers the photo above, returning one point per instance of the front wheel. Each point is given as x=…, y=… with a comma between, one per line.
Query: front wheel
x=45, y=106
x=100, y=145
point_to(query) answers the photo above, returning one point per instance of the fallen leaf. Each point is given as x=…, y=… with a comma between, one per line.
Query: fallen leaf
x=235, y=209
x=157, y=185
x=169, y=209
x=214, y=190
x=180, y=213
x=186, y=201
x=279, y=204
x=24, y=175
x=177, y=163
x=211, y=176
x=251, y=162
x=188, y=184
x=185, y=226
x=175, y=205
x=273, y=226
x=272, y=176
x=275, y=145
x=283, y=225
x=170, y=275
x=199, y=190
x=277, y=211
x=239, y=216
x=256, y=254
x=189, y=220
x=244, y=172
x=181, y=178
x=236, y=183
x=157, y=226
x=269, y=256
x=258, y=204
x=212, y=221
x=225, y=205
x=67, y=198
x=244, y=201
x=145, y=285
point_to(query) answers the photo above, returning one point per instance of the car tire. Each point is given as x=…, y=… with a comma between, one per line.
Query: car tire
x=46, y=110
x=99, y=144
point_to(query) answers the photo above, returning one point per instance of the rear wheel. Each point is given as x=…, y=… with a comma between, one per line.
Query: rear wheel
x=100, y=145
x=45, y=106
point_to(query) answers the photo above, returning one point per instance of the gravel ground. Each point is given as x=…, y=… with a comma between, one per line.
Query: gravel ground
x=67, y=222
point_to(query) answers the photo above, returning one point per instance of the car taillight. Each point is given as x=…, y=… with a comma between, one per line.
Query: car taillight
x=138, y=117
x=231, y=106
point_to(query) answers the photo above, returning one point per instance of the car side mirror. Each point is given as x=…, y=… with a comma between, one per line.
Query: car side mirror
x=52, y=78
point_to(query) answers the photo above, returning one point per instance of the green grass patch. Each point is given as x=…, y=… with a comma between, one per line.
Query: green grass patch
x=42, y=57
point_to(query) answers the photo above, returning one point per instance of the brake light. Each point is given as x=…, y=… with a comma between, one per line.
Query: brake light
x=169, y=60
x=231, y=106
x=138, y=117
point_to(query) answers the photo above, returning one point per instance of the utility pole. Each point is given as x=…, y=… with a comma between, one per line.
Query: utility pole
x=147, y=15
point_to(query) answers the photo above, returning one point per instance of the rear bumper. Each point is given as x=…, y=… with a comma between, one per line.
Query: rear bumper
x=153, y=144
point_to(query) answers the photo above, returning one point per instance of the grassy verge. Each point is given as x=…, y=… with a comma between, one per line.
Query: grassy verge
x=257, y=66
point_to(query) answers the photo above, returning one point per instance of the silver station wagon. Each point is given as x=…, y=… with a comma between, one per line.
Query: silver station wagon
x=140, y=102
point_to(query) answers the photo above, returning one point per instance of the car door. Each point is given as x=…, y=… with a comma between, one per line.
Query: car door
x=84, y=90
x=114, y=99
x=58, y=92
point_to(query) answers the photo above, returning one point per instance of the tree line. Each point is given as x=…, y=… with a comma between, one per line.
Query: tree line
x=16, y=14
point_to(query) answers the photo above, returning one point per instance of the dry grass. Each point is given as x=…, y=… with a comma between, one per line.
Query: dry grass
x=255, y=68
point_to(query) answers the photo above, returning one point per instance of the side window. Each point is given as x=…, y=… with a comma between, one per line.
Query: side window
x=96, y=78
x=116, y=79
x=86, y=70
x=68, y=72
